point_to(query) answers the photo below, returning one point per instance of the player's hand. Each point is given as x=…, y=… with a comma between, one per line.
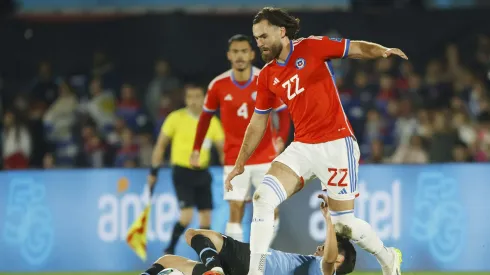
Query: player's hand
x=194, y=160
x=395, y=51
x=279, y=144
x=151, y=181
x=237, y=170
x=324, y=206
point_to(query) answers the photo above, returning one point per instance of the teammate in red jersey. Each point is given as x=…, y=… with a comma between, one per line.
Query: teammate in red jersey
x=234, y=92
x=299, y=73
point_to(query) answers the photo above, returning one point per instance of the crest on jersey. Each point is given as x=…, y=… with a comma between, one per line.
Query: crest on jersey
x=300, y=63
x=254, y=95
x=335, y=39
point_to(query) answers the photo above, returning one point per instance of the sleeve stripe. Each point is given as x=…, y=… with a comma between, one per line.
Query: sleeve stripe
x=280, y=108
x=208, y=110
x=258, y=111
x=346, y=49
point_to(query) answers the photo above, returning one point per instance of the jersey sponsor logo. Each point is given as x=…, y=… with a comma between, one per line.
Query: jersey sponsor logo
x=300, y=63
x=335, y=39
x=275, y=81
x=228, y=97
x=254, y=95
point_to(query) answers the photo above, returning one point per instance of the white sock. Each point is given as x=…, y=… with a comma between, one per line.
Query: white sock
x=235, y=231
x=362, y=234
x=276, y=229
x=267, y=197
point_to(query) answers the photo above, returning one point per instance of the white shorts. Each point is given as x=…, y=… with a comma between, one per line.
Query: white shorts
x=335, y=163
x=242, y=184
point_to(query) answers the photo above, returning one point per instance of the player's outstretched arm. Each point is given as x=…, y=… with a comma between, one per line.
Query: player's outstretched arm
x=330, y=247
x=253, y=135
x=369, y=50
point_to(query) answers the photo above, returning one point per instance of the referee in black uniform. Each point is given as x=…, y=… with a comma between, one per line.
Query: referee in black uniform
x=192, y=186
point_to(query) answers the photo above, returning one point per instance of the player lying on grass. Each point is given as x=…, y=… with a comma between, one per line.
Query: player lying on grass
x=221, y=254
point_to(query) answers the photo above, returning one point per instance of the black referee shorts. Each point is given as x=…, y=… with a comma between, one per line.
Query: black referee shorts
x=193, y=187
x=234, y=258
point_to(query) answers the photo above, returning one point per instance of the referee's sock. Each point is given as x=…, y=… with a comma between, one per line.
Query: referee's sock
x=176, y=233
x=207, y=251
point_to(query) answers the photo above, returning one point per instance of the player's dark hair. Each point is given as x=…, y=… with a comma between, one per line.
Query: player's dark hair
x=240, y=38
x=280, y=18
x=346, y=248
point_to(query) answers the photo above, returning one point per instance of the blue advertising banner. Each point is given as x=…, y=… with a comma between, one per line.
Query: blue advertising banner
x=76, y=220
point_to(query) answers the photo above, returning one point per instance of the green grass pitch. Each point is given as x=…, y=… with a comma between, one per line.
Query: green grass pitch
x=139, y=272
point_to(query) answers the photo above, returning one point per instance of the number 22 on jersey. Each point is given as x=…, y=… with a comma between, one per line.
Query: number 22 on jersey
x=293, y=84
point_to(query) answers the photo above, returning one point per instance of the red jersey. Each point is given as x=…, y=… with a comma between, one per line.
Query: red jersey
x=305, y=83
x=236, y=105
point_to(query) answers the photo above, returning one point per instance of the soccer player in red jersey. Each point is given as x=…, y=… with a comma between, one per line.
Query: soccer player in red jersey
x=234, y=93
x=299, y=73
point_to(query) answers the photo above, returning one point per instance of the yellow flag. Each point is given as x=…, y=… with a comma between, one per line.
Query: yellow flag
x=136, y=237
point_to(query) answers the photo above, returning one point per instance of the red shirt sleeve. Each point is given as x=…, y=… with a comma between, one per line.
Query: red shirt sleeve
x=265, y=98
x=211, y=104
x=329, y=48
x=211, y=101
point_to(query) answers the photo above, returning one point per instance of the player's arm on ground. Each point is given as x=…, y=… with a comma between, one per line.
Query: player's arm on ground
x=218, y=138
x=330, y=252
x=258, y=123
x=164, y=138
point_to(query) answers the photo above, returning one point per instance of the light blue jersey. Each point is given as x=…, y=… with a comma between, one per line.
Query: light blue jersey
x=282, y=263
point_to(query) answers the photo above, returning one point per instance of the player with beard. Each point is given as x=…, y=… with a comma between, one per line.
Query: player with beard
x=299, y=72
x=234, y=93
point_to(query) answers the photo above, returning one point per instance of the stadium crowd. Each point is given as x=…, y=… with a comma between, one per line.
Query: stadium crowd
x=401, y=112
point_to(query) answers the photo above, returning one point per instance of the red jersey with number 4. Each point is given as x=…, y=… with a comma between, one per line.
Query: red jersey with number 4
x=305, y=82
x=236, y=103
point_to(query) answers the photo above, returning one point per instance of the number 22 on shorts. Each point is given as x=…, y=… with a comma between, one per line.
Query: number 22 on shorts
x=343, y=174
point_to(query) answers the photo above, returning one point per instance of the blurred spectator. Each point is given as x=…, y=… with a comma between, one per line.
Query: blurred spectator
x=163, y=84
x=45, y=89
x=443, y=139
x=482, y=144
x=103, y=69
x=49, y=161
x=406, y=123
x=461, y=153
x=102, y=106
x=424, y=126
x=466, y=131
x=411, y=153
x=94, y=148
x=438, y=92
x=128, y=153
x=58, y=122
x=164, y=109
x=115, y=136
x=145, y=150
x=16, y=142
x=374, y=127
x=130, y=109
x=376, y=154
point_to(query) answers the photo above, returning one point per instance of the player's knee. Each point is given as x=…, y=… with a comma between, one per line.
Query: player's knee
x=270, y=193
x=343, y=223
x=189, y=234
x=166, y=260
